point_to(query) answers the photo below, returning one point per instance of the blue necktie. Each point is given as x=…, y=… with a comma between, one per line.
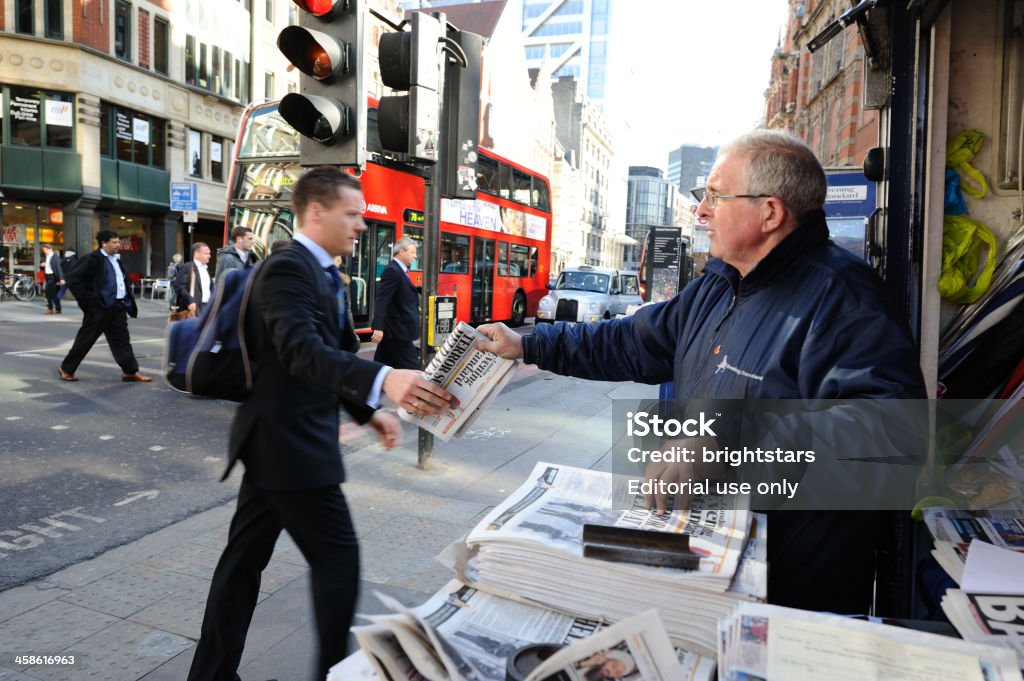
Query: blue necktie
x=339, y=291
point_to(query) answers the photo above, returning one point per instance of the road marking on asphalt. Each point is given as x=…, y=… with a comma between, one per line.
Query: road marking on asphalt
x=59, y=427
x=135, y=496
x=106, y=437
x=31, y=535
x=13, y=418
x=157, y=448
x=67, y=346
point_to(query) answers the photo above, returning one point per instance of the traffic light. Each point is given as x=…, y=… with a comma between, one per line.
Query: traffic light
x=330, y=109
x=462, y=116
x=410, y=61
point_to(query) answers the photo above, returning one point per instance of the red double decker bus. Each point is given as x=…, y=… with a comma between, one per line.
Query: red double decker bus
x=495, y=250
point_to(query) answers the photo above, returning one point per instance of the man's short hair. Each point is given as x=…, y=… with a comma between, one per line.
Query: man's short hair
x=780, y=165
x=321, y=184
x=239, y=232
x=50, y=246
x=106, y=235
x=196, y=246
x=402, y=244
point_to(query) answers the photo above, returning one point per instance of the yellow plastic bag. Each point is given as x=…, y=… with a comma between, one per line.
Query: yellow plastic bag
x=959, y=152
x=962, y=240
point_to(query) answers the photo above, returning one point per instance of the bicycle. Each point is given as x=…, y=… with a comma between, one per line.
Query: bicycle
x=21, y=286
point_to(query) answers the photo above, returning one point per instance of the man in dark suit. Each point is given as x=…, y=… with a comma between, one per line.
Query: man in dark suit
x=396, y=311
x=54, y=272
x=193, y=287
x=101, y=288
x=286, y=433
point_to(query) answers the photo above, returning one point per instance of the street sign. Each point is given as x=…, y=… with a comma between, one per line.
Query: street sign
x=190, y=216
x=184, y=196
x=442, y=319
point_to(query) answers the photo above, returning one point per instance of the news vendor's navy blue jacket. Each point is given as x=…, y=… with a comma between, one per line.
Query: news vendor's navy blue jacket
x=808, y=322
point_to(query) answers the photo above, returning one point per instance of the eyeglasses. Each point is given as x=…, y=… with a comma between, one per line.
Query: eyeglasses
x=712, y=198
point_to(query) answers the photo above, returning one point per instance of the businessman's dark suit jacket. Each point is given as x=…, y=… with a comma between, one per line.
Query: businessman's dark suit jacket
x=286, y=434
x=396, y=313
x=186, y=294
x=86, y=281
x=304, y=367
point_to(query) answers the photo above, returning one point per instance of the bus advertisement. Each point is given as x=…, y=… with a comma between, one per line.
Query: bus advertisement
x=494, y=251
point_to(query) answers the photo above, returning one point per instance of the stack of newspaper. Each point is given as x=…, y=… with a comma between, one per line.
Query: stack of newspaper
x=530, y=547
x=473, y=376
x=463, y=633
x=769, y=642
x=953, y=530
x=995, y=619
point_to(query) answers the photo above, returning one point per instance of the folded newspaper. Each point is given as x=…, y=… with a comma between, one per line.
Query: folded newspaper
x=953, y=530
x=530, y=548
x=768, y=642
x=473, y=376
x=995, y=619
x=462, y=633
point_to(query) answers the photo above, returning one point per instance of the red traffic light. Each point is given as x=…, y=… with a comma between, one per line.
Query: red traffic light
x=323, y=9
x=316, y=54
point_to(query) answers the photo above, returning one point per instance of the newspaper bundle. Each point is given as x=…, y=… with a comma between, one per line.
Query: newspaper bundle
x=995, y=619
x=473, y=376
x=530, y=547
x=462, y=633
x=953, y=530
x=774, y=643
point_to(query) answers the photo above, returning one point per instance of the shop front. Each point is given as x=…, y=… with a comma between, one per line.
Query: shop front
x=26, y=226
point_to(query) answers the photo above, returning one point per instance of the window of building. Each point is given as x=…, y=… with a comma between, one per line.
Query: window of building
x=190, y=60
x=216, y=82
x=39, y=118
x=269, y=11
x=268, y=85
x=123, y=30
x=195, y=153
x=217, y=148
x=229, y=67
x=54, y=19
x=204, y=68
x=24, y=18
x=132, y=136
x=161, y=46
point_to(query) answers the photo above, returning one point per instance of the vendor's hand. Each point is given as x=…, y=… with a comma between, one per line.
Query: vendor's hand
x=504, y=342
x=192, y=307
x=681, y=471
x=377, y=336
x=388, y=427
x=61, y=282
x=408, y=389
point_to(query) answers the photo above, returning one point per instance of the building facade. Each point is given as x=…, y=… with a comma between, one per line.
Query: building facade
x=689, y=166
x=652, y=201
x=105, y=104
x=819, y=96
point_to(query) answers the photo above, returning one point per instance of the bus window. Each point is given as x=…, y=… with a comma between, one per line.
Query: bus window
x=454, y=254
x=541, y=198
x=487, y=175
x=519, y=265
x=505, y=181
x=521, y=187
x=533, y=261
x=416, y=234
x=503, y=259
x=267, y=134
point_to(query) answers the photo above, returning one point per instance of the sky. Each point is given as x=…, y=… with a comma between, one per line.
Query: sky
x=689, y=72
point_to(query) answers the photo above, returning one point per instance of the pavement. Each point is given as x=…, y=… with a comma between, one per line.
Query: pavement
x=135, y=611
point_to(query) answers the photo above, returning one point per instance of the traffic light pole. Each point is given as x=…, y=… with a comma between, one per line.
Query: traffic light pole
x=430, y=260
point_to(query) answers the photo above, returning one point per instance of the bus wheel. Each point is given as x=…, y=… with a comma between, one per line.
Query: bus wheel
x=518, y=310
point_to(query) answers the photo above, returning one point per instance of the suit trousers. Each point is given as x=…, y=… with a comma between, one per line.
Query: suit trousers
x=111, y=322
x=319, y=522
x=50, y=290
x=397, y=354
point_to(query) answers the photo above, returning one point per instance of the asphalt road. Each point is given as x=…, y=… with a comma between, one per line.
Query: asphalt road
x=91, y=465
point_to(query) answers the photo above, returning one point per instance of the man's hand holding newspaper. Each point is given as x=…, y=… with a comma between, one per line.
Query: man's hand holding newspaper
x=472, y=376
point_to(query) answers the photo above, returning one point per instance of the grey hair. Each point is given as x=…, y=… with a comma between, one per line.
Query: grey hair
x=780, y=165
x=402, y=244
